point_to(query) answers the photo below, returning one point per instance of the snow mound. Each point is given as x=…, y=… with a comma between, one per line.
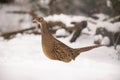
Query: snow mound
x=61, y=32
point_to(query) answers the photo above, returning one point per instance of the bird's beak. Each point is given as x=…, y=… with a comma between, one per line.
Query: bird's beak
x=34, y=21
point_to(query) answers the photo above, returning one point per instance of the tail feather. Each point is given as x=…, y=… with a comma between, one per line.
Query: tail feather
x=83, y=49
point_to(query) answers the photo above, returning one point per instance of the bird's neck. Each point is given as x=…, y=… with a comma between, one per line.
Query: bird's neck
x=45, y=31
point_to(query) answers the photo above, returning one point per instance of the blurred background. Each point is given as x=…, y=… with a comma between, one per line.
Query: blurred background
x=70, y=7
x=15, y=17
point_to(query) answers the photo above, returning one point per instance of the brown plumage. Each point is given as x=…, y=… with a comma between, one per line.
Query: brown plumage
x=55, y=49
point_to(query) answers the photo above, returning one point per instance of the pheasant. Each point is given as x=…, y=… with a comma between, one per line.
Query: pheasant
x=55, y=49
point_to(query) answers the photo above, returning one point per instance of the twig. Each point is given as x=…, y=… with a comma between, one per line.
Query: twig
x=116, y=42
x=9, y=34
x=79, y=27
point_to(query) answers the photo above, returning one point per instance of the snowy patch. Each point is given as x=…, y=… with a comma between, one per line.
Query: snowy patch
x=67, y=19
x=61, y=32
x=101, y=16
x=23, y=59
x=105, y=41
x=98, y=38
x=110, y=26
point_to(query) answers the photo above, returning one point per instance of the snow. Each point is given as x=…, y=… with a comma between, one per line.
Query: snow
x=67, y=19
x=14, y=21
x=98, y=37
x=105, y=41
x=101, y=16
x=102, y=40
x=115, y=27
x=112, y=27
x=61, y=32
x=21, y=58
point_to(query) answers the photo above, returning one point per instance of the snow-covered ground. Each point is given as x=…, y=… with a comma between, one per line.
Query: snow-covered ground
x=21, y=58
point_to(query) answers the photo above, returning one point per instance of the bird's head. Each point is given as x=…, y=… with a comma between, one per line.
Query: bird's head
x=38, y=20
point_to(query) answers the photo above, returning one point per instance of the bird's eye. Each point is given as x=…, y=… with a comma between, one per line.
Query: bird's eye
x=40, y=19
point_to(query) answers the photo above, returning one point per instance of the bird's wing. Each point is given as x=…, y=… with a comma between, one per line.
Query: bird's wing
x=61, y=51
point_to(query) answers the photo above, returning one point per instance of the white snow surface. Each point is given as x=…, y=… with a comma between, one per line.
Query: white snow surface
x=21, y=58
x=61, y=32
x=105, y=41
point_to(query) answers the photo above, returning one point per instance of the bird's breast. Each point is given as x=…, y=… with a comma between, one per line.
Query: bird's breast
x=47, y=49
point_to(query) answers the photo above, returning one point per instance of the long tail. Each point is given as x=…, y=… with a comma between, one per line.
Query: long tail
x=83, y=49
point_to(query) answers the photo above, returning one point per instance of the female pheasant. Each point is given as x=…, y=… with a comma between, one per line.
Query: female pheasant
x=55, y=49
